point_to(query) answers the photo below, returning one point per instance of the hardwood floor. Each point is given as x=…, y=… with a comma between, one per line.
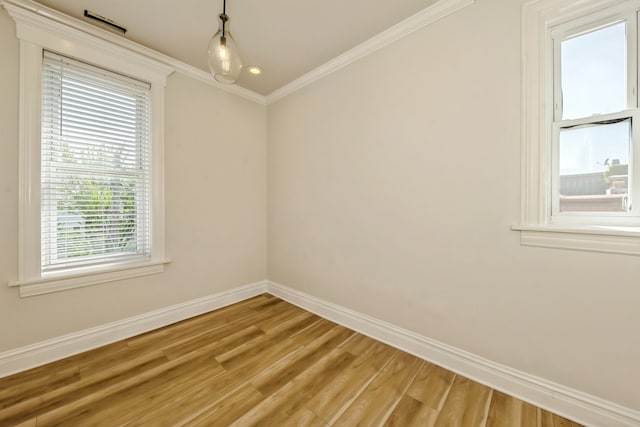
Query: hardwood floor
x=261, y=362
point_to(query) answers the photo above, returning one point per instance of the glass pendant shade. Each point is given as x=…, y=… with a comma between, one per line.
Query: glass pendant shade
x=224, y=58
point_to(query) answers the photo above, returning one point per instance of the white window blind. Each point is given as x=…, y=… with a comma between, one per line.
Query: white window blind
x=95, y=169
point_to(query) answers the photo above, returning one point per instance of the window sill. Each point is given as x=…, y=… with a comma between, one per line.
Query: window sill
x=618, y=240
x=55, y=283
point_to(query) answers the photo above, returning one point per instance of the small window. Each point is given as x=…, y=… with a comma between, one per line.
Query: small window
x=91, y=156
x=581, y=126
x=594, y=123
x=95, y=180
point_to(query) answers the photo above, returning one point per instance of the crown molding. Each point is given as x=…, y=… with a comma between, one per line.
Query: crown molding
x=205, y=77
x=404, y=28
x=36, y=14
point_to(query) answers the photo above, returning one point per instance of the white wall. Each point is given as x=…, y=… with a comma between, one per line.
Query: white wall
x=215, y=210
x=392, y=188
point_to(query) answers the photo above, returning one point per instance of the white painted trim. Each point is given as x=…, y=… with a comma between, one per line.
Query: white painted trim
x=49, y=284
x=42, y=16
x=29, y=171
x=24, y=358
x=39, y=14
x=592, y=240
x=564, y=401
x=570, y=403
x=207, y=78
x=53, y=31
x=539, y=18
x=419, y=20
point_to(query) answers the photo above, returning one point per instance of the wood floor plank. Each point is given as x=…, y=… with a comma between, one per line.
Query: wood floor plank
x=270, y=380
x=249, y=364
x=266, y=302
x=89, y=406
x=69, y=393
x=287, y=312
x=92, y=357
x=261, y=362
x=227, y=318
x=187, y=399
x=304, y=417
x=224, y=412
x=29, y=423
x=377, y=400
x=547, y=419
x=225, y=342
x=357, y=344
x=287, y=400
x=12, y=395
x=466, y=405
x=209, y=393
x=311, y=332
x=292, y=326
x=411, y=412
x=181, y=334
x=53, y=375
x=205, y=352
x=131, y=405
x=214, y=318
x=330, y=402
x=507, y=411
x=432, y=385
x=250, y=349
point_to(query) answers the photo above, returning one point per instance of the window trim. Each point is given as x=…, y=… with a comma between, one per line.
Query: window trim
x=539, y=18
x=56, y=70
x=66, y=36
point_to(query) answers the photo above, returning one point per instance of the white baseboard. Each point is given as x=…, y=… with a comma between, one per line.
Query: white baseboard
x=30, y=356
x=564, y=401
x=570, y=403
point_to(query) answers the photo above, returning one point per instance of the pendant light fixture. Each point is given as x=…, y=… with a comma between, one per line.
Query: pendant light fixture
x=224, y=58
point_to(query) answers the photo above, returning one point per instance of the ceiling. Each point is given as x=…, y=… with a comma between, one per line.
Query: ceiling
x=287, y=38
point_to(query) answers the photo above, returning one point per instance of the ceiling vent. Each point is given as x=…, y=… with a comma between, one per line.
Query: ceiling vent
x=105, y=22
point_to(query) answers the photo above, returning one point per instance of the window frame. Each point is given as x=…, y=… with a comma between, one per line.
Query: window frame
x=37, y=31
x=54, y=259
x=567, y=31
x=538, y=226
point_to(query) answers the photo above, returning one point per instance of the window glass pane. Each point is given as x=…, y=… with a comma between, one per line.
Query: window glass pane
x=594, y=168
x=593, y=68
x=95, y=180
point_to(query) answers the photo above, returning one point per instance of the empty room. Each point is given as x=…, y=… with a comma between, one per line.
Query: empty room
x=320, y=213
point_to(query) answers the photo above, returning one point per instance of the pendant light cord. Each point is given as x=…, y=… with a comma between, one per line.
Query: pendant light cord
x=224, y=16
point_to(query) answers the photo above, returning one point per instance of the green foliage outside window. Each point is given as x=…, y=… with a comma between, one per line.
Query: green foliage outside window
x=96, y=215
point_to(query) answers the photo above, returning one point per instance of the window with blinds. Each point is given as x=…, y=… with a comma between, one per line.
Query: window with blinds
x=95, y=169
